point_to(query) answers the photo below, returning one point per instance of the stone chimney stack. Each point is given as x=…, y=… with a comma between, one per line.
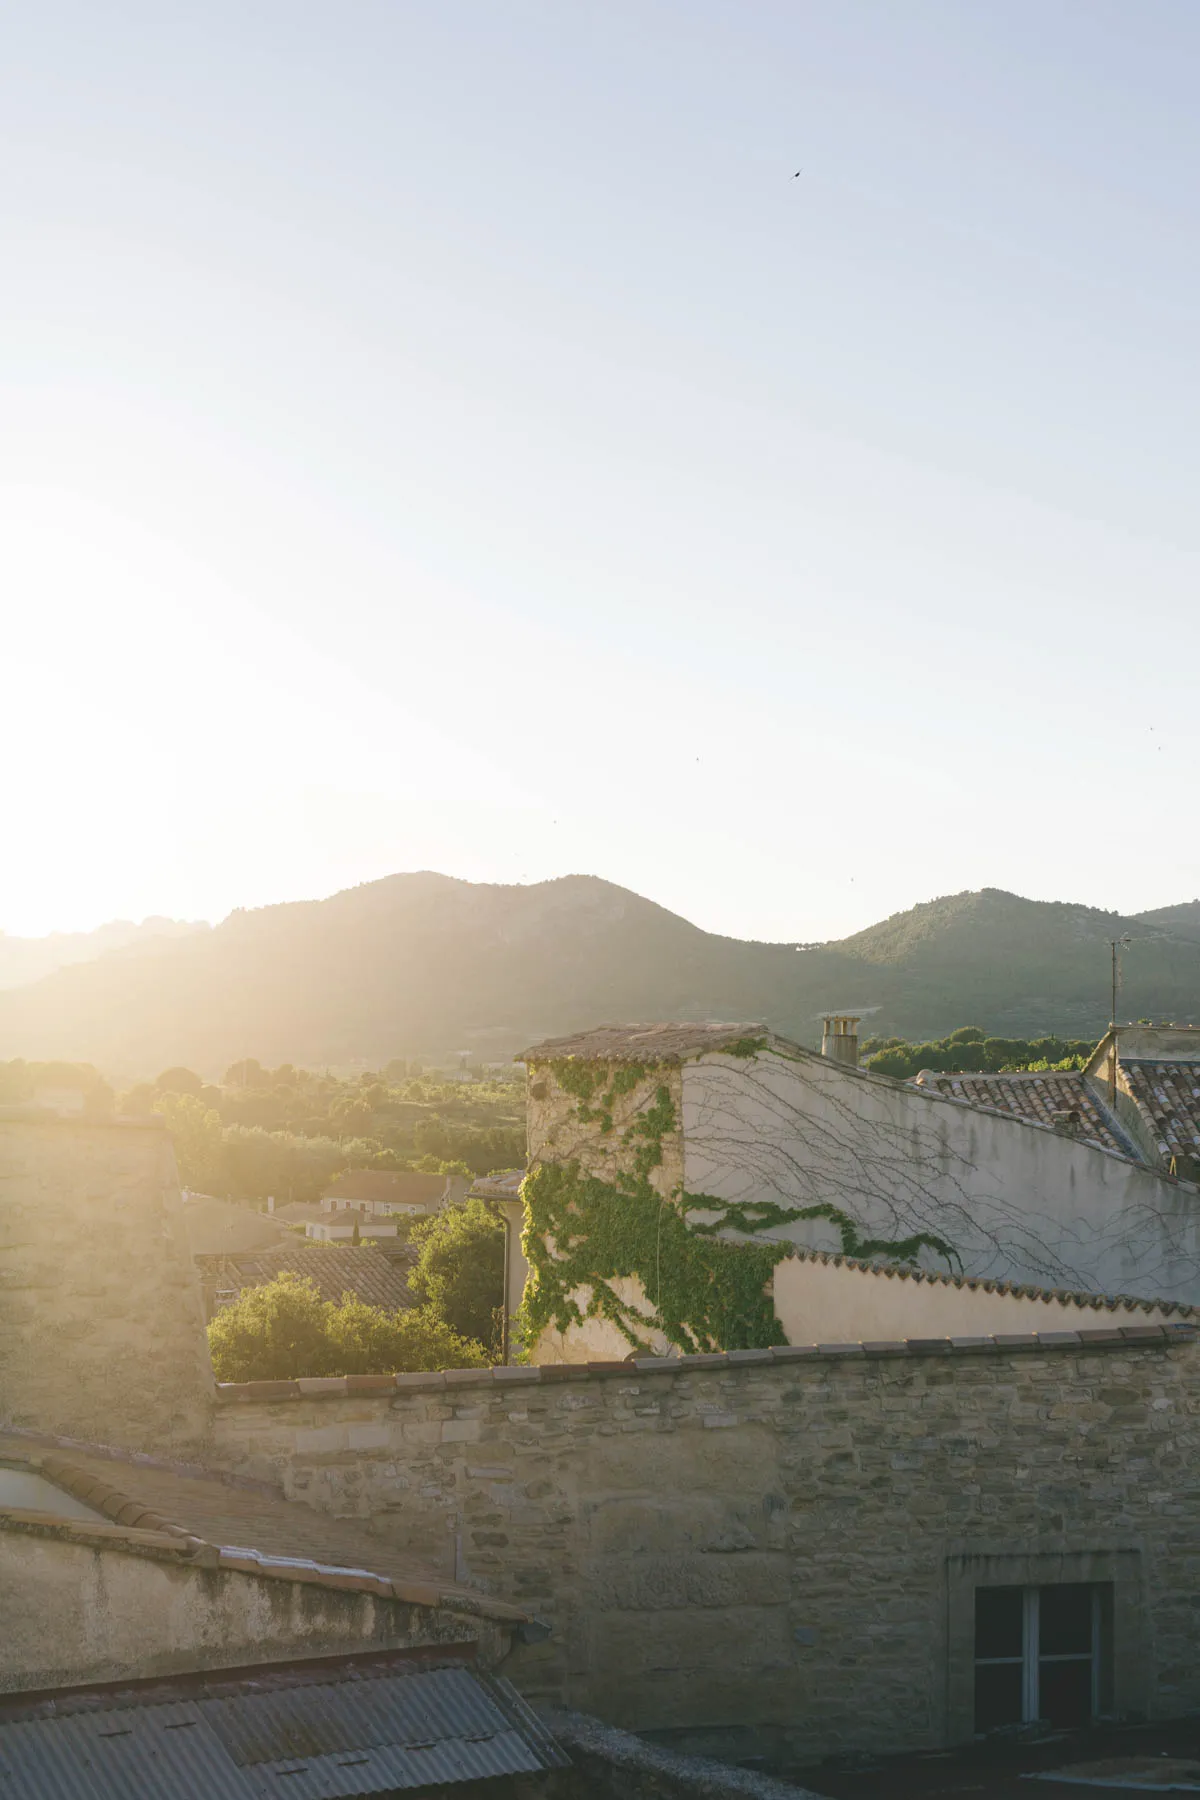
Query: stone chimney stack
x=839, y=1040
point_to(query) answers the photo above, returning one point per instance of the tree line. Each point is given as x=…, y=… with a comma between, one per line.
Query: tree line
x=970, y=1051
x=288, y=1131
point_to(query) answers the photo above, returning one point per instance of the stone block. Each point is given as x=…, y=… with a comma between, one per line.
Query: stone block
x=368, y=1437
x=461, y=1431
x=322, y=1440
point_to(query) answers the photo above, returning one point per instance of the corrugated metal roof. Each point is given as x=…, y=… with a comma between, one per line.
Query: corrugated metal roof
x=309, y=1742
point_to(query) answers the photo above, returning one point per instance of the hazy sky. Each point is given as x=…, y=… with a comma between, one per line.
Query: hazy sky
x=445, y=436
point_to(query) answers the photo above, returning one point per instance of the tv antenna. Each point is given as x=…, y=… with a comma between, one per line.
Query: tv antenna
x=1116, y=945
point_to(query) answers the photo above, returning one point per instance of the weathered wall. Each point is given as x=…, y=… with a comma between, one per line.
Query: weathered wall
x=556, y=1133
x=781, y=1545
x=75, y=1615
x=832, y=1302
x=1015, y=1201
x=101, y=1324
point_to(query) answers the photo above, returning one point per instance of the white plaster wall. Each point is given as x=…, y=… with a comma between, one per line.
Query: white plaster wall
x=1016, y=1201
x=75, y=1615
x=827, y=1303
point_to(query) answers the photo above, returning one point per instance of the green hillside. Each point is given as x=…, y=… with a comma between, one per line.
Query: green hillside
x=423, y=964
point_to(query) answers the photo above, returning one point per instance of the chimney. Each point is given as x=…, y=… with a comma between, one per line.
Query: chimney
x=839, y=1040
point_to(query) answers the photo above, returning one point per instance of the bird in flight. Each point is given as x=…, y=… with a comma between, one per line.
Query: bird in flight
x=797, y=175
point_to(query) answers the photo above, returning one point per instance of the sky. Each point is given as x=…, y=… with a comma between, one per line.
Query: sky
x=449, y=436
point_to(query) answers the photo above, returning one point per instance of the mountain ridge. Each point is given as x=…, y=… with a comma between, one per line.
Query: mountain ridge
x=425, y=964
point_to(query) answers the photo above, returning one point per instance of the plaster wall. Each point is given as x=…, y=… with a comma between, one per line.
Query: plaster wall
x=1015, y=1201
x=103, y=1323
x=824, y=1302
x=75, y=1615
x=776, y=1551
x=829, y=1303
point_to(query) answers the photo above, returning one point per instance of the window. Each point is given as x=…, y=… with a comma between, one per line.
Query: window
x=1038, y=1653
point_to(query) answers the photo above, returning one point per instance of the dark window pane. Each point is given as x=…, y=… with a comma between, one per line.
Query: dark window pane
x=997, y=1695
x=1065, y=1692
x=998, y=1613
x=1066, y=1620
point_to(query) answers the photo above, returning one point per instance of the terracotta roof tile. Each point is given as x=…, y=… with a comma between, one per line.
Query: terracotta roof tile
x=337, y=1270
x=1035, y=1096
x=404, y=1186
x=1168, y=1094
x=985, y=1284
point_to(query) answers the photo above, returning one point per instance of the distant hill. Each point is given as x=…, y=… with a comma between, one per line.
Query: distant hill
x=26, y=959
x=422, y=964
x=1180, y=921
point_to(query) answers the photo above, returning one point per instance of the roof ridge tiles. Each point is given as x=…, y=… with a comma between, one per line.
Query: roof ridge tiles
x=1081, y=1298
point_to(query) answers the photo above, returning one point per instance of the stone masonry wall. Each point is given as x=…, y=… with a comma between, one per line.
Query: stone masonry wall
x=101, y=1325
x=778, y=1548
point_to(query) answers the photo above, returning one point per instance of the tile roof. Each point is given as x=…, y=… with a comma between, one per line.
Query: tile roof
x=1036, y=1097
x=643, y=1043
x=299, y=1212
x=1168, y=1095
x=216, y=1226
x=505, y=1186
x=983, y=1284
x=378, y=1279
x=406, y=1186
x=232, y=1523
x=355, y=1732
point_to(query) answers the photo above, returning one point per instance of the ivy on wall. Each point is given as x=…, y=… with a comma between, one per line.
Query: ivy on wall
x=585, y=1232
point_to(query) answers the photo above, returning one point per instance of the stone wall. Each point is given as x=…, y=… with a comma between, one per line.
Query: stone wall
x=777, y=1549
x=101, y=1323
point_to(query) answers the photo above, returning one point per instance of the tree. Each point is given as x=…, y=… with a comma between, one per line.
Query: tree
x=367, y=1340
x=246, y=1074
x=460, y=1270
x=196, y=1134
x=284, y=1330
x=179, y=1081
x=271, y=1333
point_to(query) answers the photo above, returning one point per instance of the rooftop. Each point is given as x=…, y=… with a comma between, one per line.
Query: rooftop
x=670, y=1043
x=504, y=1186
x=337, y=1270
x=230, y=1523
x=1037, y=1096
x=388, y=1184
x=980, y=1284
x=215, y=1226
x=1168, y=1095
x=361, y=1727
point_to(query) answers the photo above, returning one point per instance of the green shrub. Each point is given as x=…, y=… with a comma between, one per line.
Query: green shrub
x=284, y=1330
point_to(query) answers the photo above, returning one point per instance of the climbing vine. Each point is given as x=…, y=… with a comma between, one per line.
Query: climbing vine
x=582, y=1079
x=583, y=1233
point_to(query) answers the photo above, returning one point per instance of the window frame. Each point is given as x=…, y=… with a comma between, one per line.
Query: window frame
x=1126, y=1673
x=1031, y=1658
